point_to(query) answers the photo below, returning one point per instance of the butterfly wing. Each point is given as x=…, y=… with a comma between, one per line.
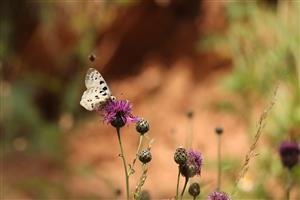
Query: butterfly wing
x=97, y=92
x=93, y=78
x=94, y=97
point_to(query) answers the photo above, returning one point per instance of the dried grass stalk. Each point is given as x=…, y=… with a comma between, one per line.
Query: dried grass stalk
x=251, y=153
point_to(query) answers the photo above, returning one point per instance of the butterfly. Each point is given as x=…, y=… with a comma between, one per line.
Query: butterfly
x=97, y=93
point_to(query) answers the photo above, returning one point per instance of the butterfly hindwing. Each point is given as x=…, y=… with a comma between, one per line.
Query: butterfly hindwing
x=97, y=92
x=93, y=97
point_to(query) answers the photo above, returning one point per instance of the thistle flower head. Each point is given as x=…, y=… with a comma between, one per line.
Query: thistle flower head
x=195, y=158
x=118, y=113
x=289, y=153
x=218, y=196
x=193, y=164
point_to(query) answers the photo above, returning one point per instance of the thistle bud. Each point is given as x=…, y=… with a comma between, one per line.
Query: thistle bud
x=145, y=156
x=219, y=130
x=190, y=114
x=142, y=126
x=194, y=190
x=188, y=170
x=180, y=156
x=289, y=153
x=145, y=195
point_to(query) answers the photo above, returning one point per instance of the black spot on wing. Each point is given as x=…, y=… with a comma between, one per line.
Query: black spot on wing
x=104, y=88
x=101, y=82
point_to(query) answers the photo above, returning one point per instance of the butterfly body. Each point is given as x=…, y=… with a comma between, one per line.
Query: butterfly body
x=97, y=93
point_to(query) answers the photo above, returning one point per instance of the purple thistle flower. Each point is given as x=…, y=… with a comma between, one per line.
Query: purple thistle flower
x=118, y=113
x=195, y=158
x=192, y=165
x=218, y=196
x=289, y=153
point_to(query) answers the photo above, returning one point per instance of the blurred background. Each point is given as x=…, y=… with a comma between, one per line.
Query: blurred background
x=221, y=60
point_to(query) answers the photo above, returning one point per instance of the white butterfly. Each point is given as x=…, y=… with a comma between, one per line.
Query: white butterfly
x=97, y=93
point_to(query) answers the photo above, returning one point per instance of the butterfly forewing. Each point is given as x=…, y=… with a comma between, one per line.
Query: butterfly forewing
x=97, y=92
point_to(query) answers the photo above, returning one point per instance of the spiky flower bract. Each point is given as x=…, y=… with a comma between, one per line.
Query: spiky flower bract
x=289, y=154
x=193, y=164
x=218, y=196
x=118, y=113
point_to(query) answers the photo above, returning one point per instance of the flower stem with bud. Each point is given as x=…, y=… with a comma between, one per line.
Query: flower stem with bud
x=219, y=132
x=124, y=163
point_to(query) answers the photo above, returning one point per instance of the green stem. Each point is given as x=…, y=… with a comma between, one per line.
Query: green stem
x=138, y=150
x=219, y=163
x=177, y=186
x=289, y=184
x=124, y=163
x=186, y=181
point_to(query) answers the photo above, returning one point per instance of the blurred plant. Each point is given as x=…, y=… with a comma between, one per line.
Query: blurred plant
x=218, y=196
x=194, y=190
x=189, y=165
x=251, y=152
x=180, y=157
x=189, y=135
x=263, y=43
x=219, y=132
x=264, y=53
x=289, y=154
x=145, y=195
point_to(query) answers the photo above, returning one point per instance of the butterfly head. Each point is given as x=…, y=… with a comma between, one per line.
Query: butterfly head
x=113, y=98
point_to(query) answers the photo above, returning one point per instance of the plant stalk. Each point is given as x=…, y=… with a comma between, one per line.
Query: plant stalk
x=138, y=150
x=289, y=184
x=124, y=163
x=185, y=183
x=177, y=186
x=219, y=163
